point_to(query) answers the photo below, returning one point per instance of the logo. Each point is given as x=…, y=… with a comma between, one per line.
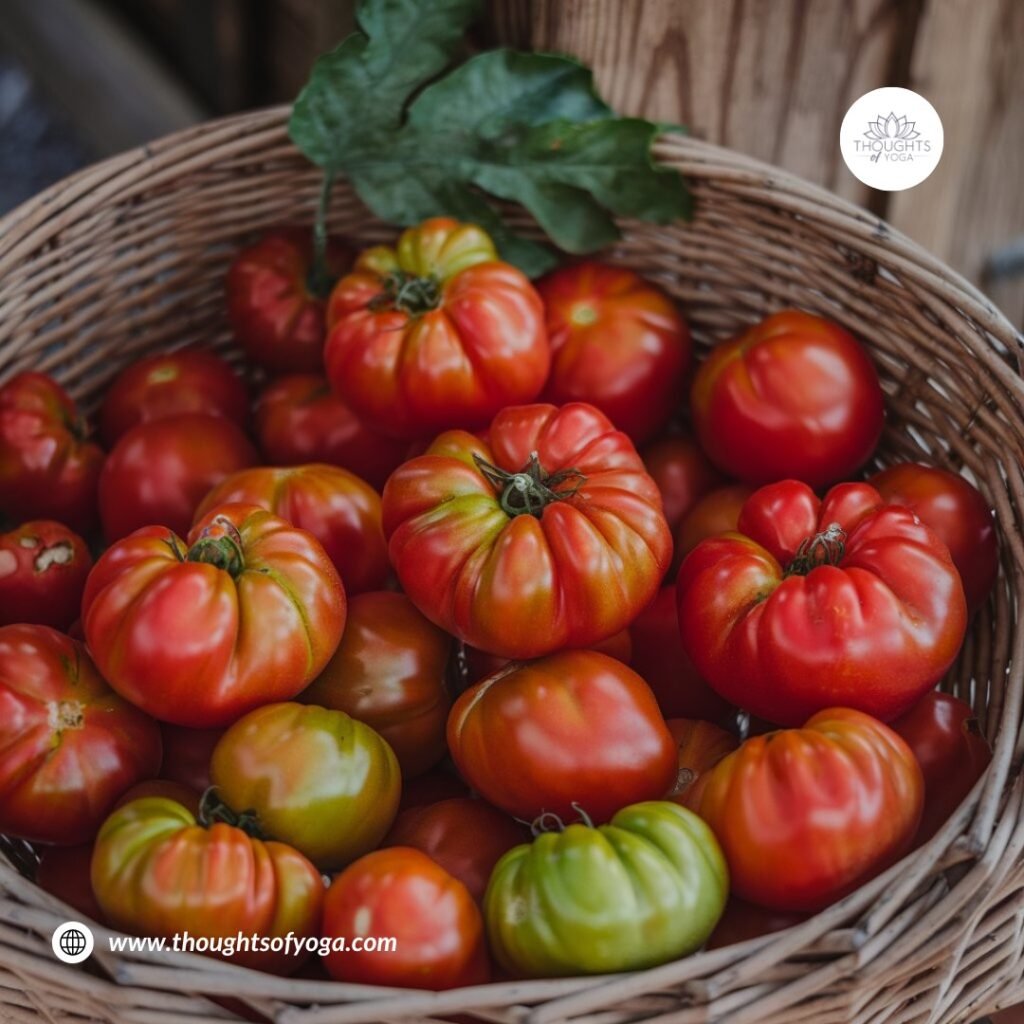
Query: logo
x=891, y=139
x=72, y=942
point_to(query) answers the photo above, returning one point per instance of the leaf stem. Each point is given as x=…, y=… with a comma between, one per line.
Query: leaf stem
x=319, y=281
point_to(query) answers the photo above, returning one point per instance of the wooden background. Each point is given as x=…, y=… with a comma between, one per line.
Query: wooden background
x=770, y=77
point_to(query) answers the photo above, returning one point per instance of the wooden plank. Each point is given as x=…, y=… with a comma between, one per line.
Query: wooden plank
x=100, y=75
x=967, y=62
x=772, y=78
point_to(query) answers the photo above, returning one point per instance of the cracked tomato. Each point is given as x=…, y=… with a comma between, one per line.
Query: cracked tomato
x=814, y=604
x=436, y=333
x=550, y=535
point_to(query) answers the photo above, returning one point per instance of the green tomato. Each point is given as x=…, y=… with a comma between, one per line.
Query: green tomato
x=644, y=889
x=314, y=778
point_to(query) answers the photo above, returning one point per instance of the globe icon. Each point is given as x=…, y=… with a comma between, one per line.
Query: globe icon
x=72, y=942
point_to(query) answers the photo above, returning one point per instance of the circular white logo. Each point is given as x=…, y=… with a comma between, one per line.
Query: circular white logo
x=891, y=139
x=72, y=942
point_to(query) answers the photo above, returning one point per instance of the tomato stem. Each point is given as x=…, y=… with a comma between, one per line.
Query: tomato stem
x=825, y=548
x=407, y=292
x=319, y=281
x=531, y=490
x=212, y=809
x=220, y=544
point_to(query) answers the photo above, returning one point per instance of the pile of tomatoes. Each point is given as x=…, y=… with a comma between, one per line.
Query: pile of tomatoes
x=475, y=634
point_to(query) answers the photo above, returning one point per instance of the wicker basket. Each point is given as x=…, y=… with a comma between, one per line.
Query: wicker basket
x=129, y=256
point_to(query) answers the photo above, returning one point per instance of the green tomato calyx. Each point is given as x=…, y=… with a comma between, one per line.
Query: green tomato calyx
x=825, y=548
x=213, y=810
x=548, y=821
x=220, y=545
x=408, y=293
x=531, y=490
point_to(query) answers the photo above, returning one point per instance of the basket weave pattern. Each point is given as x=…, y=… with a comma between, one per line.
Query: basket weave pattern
x=129, y=256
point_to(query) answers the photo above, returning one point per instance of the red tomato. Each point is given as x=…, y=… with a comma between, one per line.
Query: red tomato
x=63, y=872
x=659, y=658
x=184, y=795
x=171, y=383
x=959, y=515
x=617, y=342
x=574, y=729
x=160, y=471
x=814, y=604
x=432, y=788
x=550, y=536
x=716, y=512
x=794, y=396
x=436, y=333
x=339, y=509
x=69, y=745
x=701, y=746
x=742, y=921
x=806, y=815
x=275, y=311
x=47, y=468
x=683, y=475
x=187, y=754
x=248, y=612
x=953, y=754
x=466, y=837
x=401, y=894
x=390, y=672
x=300, y=419
x=156, y=871
x=43, y=566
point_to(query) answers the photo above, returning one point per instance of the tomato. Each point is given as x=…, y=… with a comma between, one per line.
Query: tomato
x=806, y=815
x=43, y=566
x=816, y=603
x=793, y=396
x=314, y=778
x=401, y=894
x=63, y=872
x=716, y=512
x=300, y=419
x=466, y=837
x=742, y=921
x=48, y=470
x=69, y=745
x=953, y=754
x=390, y=672
x=659, y=658
x=157, y=871
x=171, y=383
x=574, y=729
x=645, y=889
x=248, y=612
x=187, y=754
x=683, y=475
x=617, y=342
x=431, y=788
x=275, y=309
x=184, y=795
x=435, y=333
x=701, y=746
x=160, y=471
x=958, y=513
x=339, y=509
x=549, y=536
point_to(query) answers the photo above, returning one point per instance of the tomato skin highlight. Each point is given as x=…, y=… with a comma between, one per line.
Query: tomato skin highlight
x=795, y=396
x=806, y=815
x=870, y=619
x=573, y=730
x=401, y=893
x=69, y=745
x=618, y=342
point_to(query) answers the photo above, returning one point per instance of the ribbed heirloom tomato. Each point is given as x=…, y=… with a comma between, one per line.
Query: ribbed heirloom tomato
x=701, y=746
x=617, y=342
x=573, y=730
x=69, y=745
x=806, y=815
x=48, y=469
x=550, y=535
x=249, y=611
x=339, y=509
x=157, y=871
x=435, y=333
x=814, y=604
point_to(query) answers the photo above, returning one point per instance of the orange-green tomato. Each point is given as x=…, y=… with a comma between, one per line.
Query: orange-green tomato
x=642, y=890
x=156, y=871
x=314, y=778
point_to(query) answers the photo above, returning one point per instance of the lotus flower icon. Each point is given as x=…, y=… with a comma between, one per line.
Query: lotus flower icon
x=891, y=127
